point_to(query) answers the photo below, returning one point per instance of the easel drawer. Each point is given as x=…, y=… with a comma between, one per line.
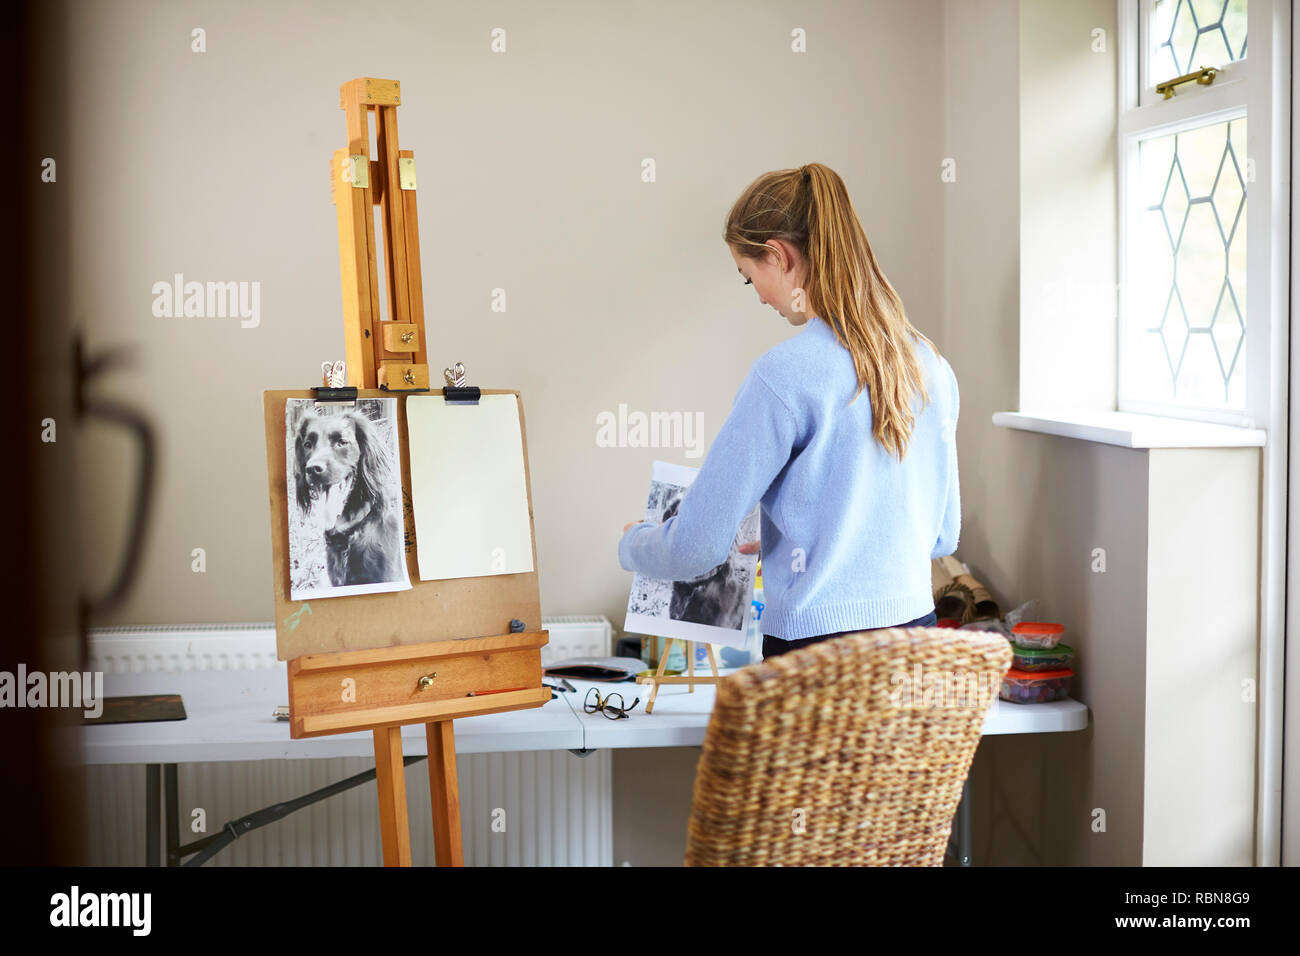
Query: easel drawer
x=337, y=693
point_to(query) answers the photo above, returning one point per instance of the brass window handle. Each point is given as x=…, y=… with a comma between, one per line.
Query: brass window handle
x=1204, y=76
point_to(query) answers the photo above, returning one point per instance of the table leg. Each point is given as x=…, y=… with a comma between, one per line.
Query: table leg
x=965, y=840
x=152, y=786
x=172, y=818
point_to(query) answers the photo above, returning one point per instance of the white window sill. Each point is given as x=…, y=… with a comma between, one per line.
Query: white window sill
x=1131, y=430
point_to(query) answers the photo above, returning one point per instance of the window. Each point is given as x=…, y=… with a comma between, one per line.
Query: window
x=1185, y=177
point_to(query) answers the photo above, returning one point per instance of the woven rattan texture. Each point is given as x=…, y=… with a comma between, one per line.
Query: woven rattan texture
x=836, y=755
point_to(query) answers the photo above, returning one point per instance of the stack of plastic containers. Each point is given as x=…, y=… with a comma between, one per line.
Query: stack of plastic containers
x=1040, y=664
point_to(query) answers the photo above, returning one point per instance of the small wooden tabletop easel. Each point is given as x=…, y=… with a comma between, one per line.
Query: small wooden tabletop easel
x=441, y=649
x=690, y=679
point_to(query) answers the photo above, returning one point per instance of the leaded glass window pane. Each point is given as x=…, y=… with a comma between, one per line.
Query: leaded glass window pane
x=1189, y=34
x=1185, y=316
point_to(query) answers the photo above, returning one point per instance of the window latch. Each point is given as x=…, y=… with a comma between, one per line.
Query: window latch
x=1204, y=76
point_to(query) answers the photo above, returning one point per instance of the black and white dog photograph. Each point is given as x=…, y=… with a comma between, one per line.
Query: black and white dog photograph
x=345, y=502
x=712, y=608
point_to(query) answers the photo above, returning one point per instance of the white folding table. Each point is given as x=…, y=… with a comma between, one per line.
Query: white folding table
x=230, y=716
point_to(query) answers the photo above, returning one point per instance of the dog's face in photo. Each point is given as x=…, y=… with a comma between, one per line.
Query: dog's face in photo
x=338, y=455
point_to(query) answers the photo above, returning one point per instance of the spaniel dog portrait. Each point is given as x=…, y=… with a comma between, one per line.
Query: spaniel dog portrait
x=345, y=481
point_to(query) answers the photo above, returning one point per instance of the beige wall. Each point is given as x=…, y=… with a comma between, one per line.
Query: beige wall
x=1034, y=506
x=1067, y=203
x=1202, y=664
x=1165, y=771
x=214, y=165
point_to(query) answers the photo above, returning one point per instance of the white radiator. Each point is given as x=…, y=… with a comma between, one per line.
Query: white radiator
x=558, y=806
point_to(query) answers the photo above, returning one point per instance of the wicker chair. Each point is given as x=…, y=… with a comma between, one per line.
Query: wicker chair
x=848, y=752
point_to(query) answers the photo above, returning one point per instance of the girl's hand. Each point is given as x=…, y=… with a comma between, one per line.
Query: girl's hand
x=753, y=547
x=630, y=523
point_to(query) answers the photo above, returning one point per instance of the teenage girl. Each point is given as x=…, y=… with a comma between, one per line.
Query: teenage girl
x=845, y=433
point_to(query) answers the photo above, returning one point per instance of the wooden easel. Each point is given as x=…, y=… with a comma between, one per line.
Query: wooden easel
x=690, y=679
x=443, y=649
x=395, y=358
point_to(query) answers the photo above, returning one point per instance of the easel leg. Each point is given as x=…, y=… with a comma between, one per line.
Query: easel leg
x=390, y=775
x=444, y=793
x=690, y=666
x=663, y=663
x=713, y=661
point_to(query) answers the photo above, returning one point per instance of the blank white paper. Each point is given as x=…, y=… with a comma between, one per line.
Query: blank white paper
x=468, y=487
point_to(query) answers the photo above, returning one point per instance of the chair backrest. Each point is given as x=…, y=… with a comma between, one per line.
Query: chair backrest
x=850, y=752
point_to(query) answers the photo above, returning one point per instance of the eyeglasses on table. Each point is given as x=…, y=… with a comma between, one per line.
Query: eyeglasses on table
x=611, y=705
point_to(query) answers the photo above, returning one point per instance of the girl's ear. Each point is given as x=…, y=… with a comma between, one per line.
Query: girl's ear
x=778, y=255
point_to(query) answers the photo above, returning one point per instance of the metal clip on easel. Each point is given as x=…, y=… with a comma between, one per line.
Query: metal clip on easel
x=334, y=389
x=457, y=392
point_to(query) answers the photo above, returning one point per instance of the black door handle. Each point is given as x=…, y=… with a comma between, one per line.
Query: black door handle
x=142, y=431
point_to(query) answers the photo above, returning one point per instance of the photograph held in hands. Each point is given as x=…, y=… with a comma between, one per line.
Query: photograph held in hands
x=712, y=608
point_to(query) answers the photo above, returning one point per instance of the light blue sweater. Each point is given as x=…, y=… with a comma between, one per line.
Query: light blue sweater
x=848, y=531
